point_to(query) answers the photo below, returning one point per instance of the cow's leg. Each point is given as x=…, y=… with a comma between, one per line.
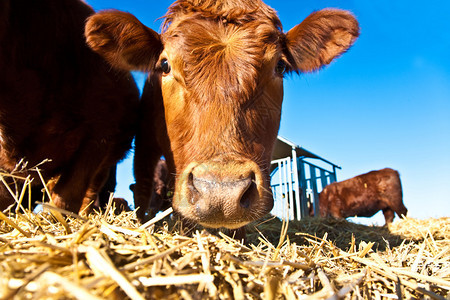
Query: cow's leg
x=145, y=161
x=70, y=190
x=6, y=199
x=388, y=215
x=400, y=209
x=108, y=187
x=79, y=184
x=96, y=184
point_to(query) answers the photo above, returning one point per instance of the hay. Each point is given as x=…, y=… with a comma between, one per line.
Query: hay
x=56, y=254
x=341, y=232
x=110, y=257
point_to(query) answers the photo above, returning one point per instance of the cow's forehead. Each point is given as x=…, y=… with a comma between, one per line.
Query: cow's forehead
x=231, y=11
x=222, y=60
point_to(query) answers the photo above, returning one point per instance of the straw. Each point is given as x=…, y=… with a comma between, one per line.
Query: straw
x=108, y=256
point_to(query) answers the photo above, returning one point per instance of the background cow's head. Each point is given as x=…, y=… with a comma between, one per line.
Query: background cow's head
x=221, y=66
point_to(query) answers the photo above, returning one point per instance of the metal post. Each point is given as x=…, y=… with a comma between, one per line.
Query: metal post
x=286, y=188
x=284, y=203
x=303, y=197
x=289, y=175
x=334, y=177
x=314, y=189
x=296, y=183
x=323, y=178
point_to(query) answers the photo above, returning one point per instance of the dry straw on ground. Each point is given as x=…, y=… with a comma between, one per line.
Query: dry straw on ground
x=109, y=257
x=58, y=255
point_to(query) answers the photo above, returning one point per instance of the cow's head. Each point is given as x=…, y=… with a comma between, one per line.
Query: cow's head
x=221, y=66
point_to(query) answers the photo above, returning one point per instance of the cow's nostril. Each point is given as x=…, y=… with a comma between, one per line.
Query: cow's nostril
x=249, y=194
x=245, y=200
x=192, y=188
x=191, y=180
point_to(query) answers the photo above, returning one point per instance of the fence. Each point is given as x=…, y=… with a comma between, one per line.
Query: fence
x=296, y=183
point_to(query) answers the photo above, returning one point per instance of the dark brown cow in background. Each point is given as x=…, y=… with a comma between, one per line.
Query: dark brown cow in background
x=364, y=196
x=59, y=100
x=213, y=98
x=162, y=190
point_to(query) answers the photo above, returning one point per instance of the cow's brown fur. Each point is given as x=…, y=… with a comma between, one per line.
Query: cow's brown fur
x=364, y=196
x=161, y=194
x=222, y=96
x=59, y=100
x=162, y=190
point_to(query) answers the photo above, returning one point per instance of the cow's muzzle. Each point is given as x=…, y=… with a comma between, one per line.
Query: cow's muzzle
x=222, y=194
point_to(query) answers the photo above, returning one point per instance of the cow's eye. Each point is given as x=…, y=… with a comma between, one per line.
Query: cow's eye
x=281, y=67
x=165, y=66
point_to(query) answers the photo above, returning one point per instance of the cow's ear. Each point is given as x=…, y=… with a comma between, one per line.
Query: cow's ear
x=321, y=37
x=123, y=41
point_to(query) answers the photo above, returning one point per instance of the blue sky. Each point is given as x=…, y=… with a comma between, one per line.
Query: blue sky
x=385, y=103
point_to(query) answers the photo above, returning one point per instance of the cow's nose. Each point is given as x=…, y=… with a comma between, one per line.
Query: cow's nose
x=233, y=191
x=222, y=200
x=222, y=193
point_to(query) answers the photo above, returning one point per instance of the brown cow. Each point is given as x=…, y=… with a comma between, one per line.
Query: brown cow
x=162, y=191
x=364, y=196
x=59, y=100
x=215, y=90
